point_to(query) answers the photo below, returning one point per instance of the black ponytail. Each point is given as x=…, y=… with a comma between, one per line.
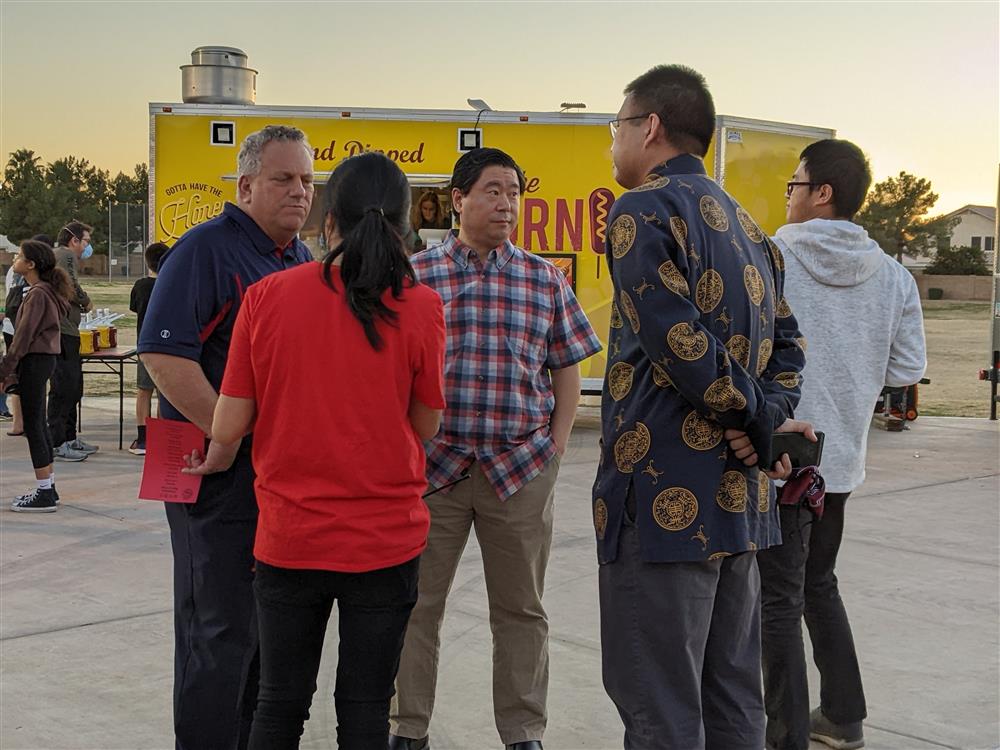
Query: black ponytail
x=368, y=198
x=44, y=259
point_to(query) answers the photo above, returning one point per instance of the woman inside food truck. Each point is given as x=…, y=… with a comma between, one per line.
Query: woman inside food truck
x=337, y=368
x=428, y=212
x=429, y=220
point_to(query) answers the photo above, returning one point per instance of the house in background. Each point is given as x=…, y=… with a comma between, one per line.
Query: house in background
x=976, y=229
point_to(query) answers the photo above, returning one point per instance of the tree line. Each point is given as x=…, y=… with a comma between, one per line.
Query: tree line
x=40, y=198
x=37, y=197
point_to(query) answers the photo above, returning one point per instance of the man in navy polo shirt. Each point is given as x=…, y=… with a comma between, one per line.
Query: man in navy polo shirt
x=184, y=344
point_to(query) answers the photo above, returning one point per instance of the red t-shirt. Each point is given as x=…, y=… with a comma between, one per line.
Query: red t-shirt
x=340, y=471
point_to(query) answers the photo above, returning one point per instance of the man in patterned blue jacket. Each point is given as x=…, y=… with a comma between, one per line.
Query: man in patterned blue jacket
x=703, y=366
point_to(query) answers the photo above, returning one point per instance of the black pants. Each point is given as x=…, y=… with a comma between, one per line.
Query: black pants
x=798, y=578
x=216, y=663
x=293, y=607
x=33, y=373
x=66, y=391
x=680, y=649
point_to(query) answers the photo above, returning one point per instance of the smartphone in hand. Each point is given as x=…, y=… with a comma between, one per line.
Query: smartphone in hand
x=801, y=450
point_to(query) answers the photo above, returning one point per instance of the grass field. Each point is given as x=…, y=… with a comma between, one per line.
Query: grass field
x=958, y=346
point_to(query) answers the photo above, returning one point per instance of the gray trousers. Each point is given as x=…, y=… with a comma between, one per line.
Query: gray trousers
x=680, y=649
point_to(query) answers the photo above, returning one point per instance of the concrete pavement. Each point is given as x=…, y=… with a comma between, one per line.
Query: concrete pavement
x=86, y=632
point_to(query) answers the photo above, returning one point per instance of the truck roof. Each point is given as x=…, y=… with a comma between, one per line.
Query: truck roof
x=460, y=115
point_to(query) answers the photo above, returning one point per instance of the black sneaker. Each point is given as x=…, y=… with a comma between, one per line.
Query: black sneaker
x=39, y=501
x=838, y=736
x=55, y=493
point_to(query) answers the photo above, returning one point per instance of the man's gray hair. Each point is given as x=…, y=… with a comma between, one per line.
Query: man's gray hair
x=248, y=162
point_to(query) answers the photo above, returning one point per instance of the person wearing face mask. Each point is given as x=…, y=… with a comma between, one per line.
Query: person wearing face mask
x=72, y=244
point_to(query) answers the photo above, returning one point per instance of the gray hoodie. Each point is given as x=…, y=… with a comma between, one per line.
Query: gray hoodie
x=859, y=311
x=70, y=324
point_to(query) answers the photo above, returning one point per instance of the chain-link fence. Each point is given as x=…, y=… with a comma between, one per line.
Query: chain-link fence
x=127, y=224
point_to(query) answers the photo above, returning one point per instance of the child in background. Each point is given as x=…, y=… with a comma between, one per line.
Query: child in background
x=31, y=360
x=14, y=288
x=139, y=301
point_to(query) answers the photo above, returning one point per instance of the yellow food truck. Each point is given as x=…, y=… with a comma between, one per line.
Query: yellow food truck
x=566, y=157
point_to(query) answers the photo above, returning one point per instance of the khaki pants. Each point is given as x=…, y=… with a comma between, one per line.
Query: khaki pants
x=515, y=537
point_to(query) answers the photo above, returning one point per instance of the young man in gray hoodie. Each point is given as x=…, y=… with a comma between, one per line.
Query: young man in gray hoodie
x=859, y=311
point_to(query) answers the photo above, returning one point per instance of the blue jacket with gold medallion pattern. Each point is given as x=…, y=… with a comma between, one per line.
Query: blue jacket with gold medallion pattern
x=701, y=340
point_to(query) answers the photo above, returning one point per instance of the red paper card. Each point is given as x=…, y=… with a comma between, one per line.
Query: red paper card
x=167, y=442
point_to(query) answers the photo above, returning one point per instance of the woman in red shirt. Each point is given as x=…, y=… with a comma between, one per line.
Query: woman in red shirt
x=337, y=369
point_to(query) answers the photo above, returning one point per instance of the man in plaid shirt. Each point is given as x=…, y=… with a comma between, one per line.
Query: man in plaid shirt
x=516, y=334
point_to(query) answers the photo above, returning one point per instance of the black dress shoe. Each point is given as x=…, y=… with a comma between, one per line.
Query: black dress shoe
x=406, y=743
x=527, y=745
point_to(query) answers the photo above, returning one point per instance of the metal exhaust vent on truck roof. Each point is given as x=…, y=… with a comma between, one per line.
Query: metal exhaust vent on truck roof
x=218, y=75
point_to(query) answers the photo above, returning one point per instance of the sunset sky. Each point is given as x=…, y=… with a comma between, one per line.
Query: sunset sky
x=914, y=84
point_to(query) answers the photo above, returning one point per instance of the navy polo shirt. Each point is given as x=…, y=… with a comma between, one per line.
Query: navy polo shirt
x=200, y=286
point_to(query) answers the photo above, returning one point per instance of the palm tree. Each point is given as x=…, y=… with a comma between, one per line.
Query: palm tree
x=23, y=197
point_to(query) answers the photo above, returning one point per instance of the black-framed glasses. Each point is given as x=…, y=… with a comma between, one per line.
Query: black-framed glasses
x=613, y=124
x=792, y=184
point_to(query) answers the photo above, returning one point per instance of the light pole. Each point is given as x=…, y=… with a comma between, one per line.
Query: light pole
x=109, y=239
x=480, y=105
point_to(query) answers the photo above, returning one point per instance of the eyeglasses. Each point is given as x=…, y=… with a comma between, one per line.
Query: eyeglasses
x=790, y=186
x=613, y=124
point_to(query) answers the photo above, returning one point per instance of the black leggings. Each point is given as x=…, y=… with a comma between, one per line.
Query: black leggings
x=66, y=391
x=33, y=373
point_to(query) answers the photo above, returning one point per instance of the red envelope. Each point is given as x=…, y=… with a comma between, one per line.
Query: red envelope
x=167, y=442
